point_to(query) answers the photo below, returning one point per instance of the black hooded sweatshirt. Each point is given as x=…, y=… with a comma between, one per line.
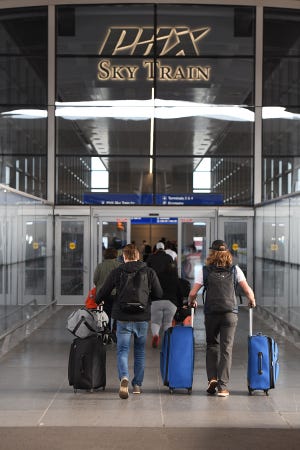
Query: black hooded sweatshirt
x=113, y=281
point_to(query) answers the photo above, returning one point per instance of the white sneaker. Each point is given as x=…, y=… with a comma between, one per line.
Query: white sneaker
x=123, y=391
x=223, y=393
x=136, y=389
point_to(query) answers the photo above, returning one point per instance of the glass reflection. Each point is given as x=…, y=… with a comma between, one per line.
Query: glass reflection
x=72, y=243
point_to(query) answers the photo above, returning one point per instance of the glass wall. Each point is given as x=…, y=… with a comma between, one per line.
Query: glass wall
x=277, y=262
x=151, y=97
x=23, y=99
x=26, y=257
x=281, y=103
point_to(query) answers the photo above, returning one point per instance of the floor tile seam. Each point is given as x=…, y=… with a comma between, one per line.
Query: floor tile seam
x=158, y=376
x=39, y=422
x=284, y=419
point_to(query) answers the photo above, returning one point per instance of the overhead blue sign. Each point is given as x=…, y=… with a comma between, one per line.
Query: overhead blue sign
x=101, y=198
x=189, y=199
x=154, y=220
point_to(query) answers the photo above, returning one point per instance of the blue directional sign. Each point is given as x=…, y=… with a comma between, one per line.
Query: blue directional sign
x=189, y=199
x=102, y=198
x=105, y=198
x=154, y=220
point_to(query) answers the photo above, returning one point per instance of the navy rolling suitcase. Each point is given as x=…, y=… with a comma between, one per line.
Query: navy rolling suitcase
x=177, y=357
x=263, y=365
x=87, y=363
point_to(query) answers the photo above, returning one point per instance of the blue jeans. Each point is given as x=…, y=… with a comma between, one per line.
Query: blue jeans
x=139, y=331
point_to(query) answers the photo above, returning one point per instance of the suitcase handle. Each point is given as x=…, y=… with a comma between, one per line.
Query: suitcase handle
x=250, y=321
x=81, y=364
x=260, y=357
x=192, y=316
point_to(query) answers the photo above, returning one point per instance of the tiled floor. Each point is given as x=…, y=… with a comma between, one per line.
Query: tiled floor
x=34, y=389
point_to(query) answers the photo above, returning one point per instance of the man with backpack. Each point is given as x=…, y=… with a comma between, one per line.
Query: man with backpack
x=135, y=285
x=220, y=279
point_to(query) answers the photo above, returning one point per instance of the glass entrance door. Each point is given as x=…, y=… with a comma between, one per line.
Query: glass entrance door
x=72, y=256
x=189, y=235
x=195, y=236
x=238, y=234
x=109, y=232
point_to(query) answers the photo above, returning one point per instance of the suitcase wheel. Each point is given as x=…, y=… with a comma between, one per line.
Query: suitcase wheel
x=250, y=390
x=75, y=390
x=266, y=391
x=171, y=390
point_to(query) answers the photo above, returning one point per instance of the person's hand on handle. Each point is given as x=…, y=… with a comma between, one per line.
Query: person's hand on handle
x=251, y=303
x=192, y=301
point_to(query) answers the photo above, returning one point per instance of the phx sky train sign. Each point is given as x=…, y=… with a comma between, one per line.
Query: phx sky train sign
x=140, y=42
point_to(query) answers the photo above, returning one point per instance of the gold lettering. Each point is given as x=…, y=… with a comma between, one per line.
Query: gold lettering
x=179, y=73
x=117, y=72
x=165, y=73
x=107, y=71
x=132, y=70
x=201, y=73
x=150, y=69
x=104, y=71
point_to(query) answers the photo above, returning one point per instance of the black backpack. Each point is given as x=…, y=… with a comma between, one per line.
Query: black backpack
x=134, y=291
x=219, y=293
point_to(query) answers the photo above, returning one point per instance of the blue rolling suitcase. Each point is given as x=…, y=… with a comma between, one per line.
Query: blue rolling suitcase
x=177, y=357
x=263, y=365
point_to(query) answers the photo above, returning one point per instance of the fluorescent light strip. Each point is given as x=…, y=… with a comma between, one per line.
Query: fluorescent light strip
x=150, y=109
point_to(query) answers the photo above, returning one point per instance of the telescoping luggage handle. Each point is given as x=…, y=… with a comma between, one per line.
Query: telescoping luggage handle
x=250, y=321
x=192, y=316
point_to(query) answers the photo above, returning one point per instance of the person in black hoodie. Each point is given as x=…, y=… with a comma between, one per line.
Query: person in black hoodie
x=136, y=284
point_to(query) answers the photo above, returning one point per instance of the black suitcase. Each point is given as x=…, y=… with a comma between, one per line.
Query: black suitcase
x=87, y=363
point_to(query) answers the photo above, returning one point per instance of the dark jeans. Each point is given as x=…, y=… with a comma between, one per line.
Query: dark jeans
x=220, y=332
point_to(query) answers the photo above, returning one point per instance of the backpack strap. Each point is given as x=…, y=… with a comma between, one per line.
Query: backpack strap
x=233, y=271
x=205, y=276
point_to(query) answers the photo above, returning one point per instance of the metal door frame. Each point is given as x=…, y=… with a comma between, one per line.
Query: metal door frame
x=74, y=214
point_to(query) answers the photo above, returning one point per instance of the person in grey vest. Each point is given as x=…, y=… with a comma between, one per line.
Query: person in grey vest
x=219, y=277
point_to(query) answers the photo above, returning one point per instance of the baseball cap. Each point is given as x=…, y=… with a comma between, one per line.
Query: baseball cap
x=219, y=246
x=160, y=245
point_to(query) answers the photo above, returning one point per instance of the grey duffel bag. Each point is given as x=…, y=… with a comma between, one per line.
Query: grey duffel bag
x=82, y=323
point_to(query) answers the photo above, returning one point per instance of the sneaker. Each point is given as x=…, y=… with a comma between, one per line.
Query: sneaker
x=123, y=392
x=212, y=384
x=223, y=393
x=155, y=341
x=136, y=389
